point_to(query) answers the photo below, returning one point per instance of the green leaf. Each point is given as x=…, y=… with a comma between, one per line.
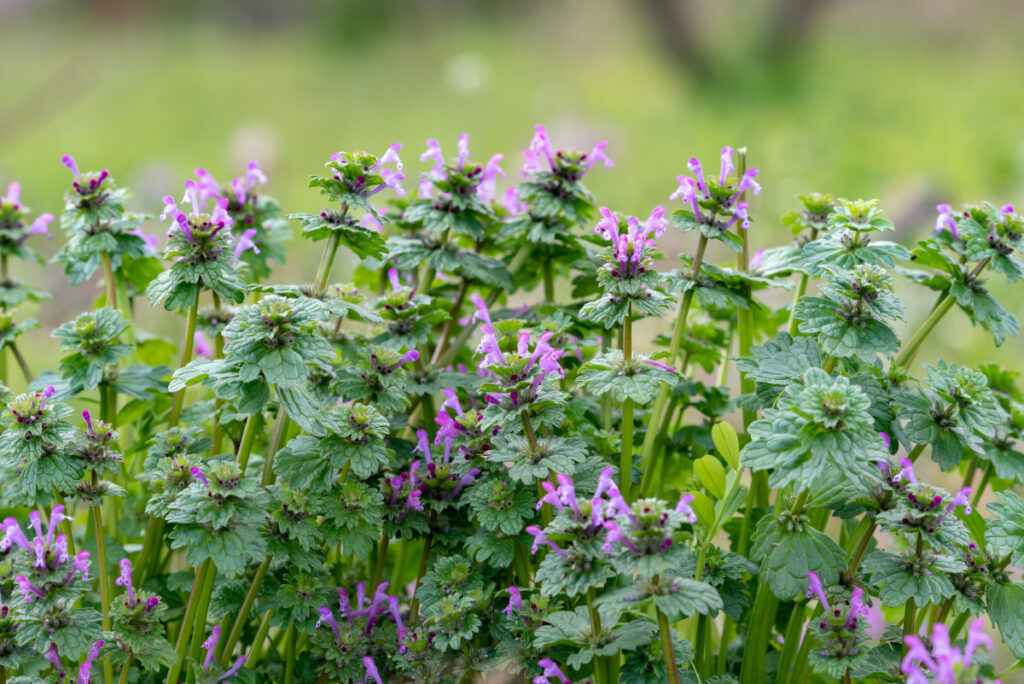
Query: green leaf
x=926, y=581
x=1005, y=604
x=728, y=444
x=711, y=474
x=789, y=549
x=1005, y=533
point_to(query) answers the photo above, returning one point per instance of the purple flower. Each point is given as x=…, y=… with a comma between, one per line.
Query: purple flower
x=13, y=195
x=716, y=202
x=233, y=670
x=465, y=480
x=50, y=551
x=945, y=221
x=245, y=242
x=202, y=345
x=483, y=178
x=28, y=591
x=540, y=155
x=629, y=247
x=515, y=601
x=615, y=534
x=858, y=609
x=907, y=472
x=207, y=185
x=371, y=670
x=962, y=498
x=210, y=646
x=885, y=440
x=362, y=615
x=550, y=669
x=125, y=580
x=41, y=225
x=198, y=474
x=54, y=658
x=944, y=661
x=85, y=671
x=541, y=539
x=683, y=508
x=81, y=564
x=513, y=205
x=814, y=588
x=69, y=161
x=662, y=366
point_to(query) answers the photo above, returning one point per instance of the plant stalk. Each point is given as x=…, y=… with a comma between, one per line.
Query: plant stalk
x=185, y=631
x=243, y=613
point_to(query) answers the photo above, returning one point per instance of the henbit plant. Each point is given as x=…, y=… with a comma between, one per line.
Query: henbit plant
x=487, y=486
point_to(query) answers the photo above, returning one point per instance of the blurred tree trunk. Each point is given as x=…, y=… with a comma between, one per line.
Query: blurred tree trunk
x=785, y=28
x=673, y=28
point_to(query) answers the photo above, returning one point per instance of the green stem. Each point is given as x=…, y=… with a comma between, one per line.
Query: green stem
x=549, y=282
x=650, y=438
x=791, y=643
x=323, y=271
x=762, y=619
x=108, y=280
x=202, y=608
x=916, y=452
x=25, y=370
x=906, y=355
x=243, y=613
x=701, y=659
x=606, y=398
x=414, y=607
x=289, y=653
x=863, y=541
x=248, y=438
x=911, y=607
x=667, y=648
x=382, y=556
x=985, y=477
x=626, y=458
x=395, y=579
x=185, y=631
x=275, y=444
x=449, y=325
x=103, y=579
x=123, y=679
x=186, y=356
x=958, y=624
x=531, y=436
x=455, y=347
x=255, y=650
x=124, y=306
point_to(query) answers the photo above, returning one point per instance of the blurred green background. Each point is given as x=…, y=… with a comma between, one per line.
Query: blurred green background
x=915, y=102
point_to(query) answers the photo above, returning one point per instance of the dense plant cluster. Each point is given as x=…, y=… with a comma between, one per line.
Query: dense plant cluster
x=453, y=466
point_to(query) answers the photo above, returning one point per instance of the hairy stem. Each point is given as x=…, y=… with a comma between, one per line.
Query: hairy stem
x=414, y=607
x=906, y=355
x=22, y=364
x=185, y=631
x=103, y=578
x=186, y=357
x=248, y=438
x=243, y=613
x=685, y=300
x=626, y=458
x=256, y=648
x=202, y=608
x=289, y=653
x=280, y=427
x=668, y=652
